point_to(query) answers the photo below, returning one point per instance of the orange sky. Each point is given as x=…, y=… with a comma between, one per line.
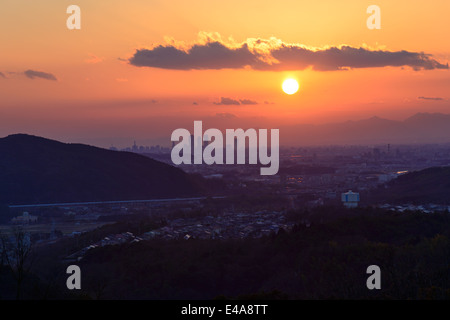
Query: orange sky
x=100, y=98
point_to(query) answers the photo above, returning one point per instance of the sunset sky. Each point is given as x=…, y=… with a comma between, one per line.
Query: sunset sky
x=139, y=69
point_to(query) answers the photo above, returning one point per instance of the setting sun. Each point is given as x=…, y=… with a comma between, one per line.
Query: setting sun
x=290, y=86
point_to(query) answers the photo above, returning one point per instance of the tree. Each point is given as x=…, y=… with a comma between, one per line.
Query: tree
x=18, y=256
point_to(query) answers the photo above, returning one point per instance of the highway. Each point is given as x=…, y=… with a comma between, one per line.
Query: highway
x=76, y=204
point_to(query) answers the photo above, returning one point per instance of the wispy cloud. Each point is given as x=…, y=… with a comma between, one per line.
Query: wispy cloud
x=431, y=98
x=32, y=74
x=212, y=52
x=2, y=75
x=227, y=102
x=247, y=101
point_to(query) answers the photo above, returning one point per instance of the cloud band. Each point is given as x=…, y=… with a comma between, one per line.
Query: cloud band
x=274, y=55
x=32, y=74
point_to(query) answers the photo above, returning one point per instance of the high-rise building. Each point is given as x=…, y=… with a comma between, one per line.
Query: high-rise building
x=350, y=199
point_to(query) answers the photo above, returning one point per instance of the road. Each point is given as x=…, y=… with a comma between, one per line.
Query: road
x=76, y=204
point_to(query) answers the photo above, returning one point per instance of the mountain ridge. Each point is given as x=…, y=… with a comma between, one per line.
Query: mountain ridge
x=418, y=128
x=40, y=170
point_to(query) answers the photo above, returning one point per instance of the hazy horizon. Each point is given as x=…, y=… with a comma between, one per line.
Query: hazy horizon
x=140, y=71
x=225, y=121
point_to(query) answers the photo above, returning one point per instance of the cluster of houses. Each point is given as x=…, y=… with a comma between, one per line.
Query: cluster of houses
x=114, y=239
x=428, y=208
x=25, y=218
x=227, y=226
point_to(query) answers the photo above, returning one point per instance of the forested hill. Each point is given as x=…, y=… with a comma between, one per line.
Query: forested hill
x=430, y=185
x=39, y=170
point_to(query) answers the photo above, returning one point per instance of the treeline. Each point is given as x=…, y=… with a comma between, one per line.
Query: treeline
x=430, y=185
x=327, y=260
x=325, y=256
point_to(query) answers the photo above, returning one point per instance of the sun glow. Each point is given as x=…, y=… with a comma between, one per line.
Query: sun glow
x=290, y=86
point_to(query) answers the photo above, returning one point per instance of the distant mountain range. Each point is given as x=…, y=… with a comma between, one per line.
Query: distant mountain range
x=420, y=128
x=38, y=170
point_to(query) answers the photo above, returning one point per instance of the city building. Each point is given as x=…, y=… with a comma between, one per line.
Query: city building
x=350, y=199
x=24, y=218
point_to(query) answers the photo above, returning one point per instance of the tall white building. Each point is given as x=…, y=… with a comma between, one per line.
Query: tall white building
x=350, y=199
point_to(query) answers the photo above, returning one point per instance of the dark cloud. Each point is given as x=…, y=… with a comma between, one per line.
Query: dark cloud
x=2, y=75
x=345, y=57
x=247, y=101
x=431, y=98
x=39, y=74
x=195, y=103
x=212, y=55
x=272, y=55
x=227, y=102
x=267, y=102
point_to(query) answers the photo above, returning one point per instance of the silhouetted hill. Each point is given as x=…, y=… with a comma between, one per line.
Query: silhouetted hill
x=430, y=185
x=39, y=170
